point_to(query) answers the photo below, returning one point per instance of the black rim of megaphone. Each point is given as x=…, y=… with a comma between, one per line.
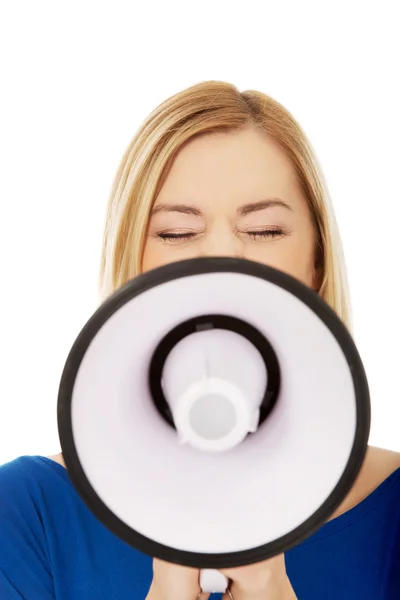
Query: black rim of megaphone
x=164, y=274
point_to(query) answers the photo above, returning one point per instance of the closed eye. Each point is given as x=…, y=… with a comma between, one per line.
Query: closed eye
x=170, y=237
x=266, y=233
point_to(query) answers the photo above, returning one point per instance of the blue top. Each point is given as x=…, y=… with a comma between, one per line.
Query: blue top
x=52, y=547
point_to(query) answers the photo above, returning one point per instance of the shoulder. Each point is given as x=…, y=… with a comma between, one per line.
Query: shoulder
x=20, y=482
x=379, y=464
x=24, y=567
x=30, y=485
x=24, y=472
x=17, y=474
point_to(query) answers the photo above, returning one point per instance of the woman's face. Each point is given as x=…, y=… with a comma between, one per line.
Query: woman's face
x=232, y=194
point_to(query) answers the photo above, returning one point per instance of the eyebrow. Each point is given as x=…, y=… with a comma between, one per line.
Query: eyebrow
x=242, y=211
x=186, y=209
x=247, y=209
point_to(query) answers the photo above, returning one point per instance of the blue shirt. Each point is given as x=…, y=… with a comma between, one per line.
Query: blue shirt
x=52, y=547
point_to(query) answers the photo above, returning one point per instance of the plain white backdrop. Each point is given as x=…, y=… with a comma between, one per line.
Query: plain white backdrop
x=77, y=80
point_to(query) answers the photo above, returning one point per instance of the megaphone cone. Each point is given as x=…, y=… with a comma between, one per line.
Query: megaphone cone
x=213, y=412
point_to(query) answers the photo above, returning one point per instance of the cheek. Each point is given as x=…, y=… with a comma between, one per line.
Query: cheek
x=293, y=256
x=156, y=255
x=152, y=257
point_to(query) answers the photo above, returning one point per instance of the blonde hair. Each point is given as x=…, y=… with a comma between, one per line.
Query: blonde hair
x=212, y=107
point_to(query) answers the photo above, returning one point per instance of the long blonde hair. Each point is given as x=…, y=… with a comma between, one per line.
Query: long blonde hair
x=211, y=107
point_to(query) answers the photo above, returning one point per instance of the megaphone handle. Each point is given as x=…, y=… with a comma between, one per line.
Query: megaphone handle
x=213, y=581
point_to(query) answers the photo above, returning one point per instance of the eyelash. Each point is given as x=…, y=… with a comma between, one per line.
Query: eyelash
x=265, y=233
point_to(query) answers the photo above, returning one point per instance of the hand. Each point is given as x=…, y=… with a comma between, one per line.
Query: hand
x=174, y=582
x=266, y=580
x=261, y=581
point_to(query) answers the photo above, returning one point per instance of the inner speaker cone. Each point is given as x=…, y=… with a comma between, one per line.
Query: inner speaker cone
x=214, y=409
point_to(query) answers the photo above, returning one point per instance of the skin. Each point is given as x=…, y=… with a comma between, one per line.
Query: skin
x=224, y=178
x=236, y=194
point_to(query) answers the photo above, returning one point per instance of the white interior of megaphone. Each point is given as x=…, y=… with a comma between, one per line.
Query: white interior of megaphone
x=214, y=502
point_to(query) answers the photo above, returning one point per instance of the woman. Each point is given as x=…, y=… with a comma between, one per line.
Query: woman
x=211, y=172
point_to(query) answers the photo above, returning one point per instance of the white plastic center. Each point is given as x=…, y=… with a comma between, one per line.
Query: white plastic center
x=214, y=381
x=213, y=415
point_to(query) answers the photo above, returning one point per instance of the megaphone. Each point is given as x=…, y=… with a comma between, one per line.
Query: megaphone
x=214, y=413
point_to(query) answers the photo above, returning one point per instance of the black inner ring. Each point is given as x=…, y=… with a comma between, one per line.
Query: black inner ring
x=203, y=323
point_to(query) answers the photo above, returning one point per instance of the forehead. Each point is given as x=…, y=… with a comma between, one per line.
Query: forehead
x=242, y=164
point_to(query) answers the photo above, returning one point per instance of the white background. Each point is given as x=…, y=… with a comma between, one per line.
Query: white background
x=78, y=78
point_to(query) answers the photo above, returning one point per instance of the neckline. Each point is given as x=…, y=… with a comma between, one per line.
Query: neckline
x=337, y=524
x=52, y=463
